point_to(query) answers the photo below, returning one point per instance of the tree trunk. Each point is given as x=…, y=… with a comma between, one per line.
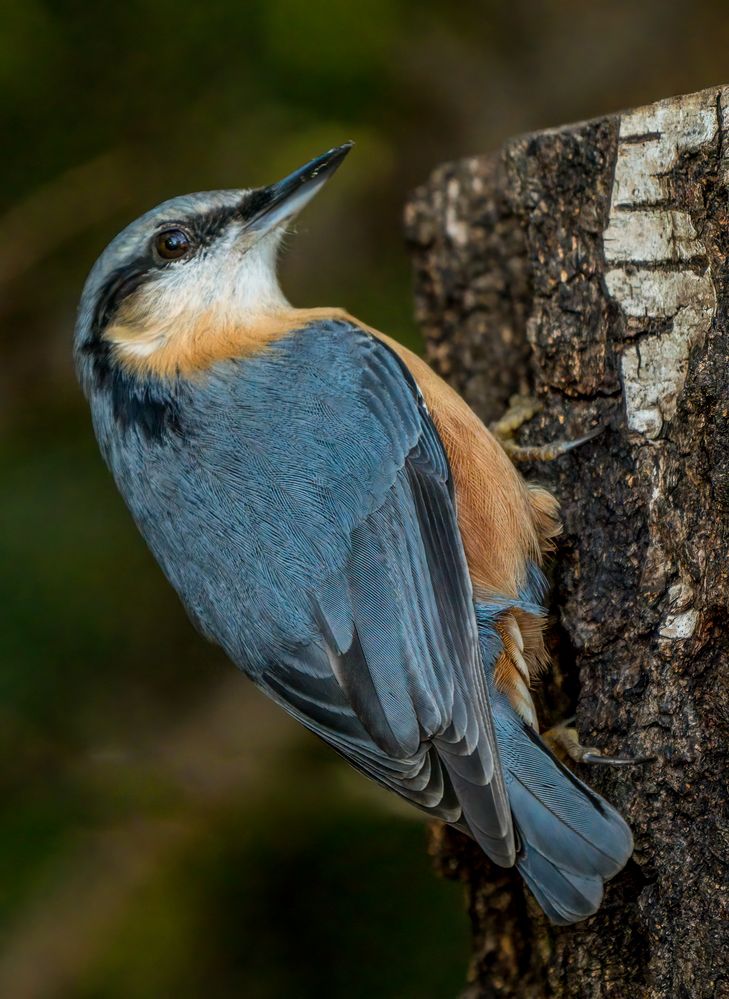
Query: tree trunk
x=588, y=264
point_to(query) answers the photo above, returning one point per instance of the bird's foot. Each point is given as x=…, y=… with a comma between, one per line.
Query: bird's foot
x=521, y=410
x=564, y=742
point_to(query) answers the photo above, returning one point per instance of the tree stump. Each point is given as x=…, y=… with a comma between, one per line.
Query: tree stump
x=588, y=264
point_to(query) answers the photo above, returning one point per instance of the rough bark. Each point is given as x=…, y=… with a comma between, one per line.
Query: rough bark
x=589, y=264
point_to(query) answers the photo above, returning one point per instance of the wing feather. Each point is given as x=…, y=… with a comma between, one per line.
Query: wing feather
x=394, y=680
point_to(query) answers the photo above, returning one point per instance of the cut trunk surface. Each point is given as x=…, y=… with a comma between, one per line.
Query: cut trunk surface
x=588, y=265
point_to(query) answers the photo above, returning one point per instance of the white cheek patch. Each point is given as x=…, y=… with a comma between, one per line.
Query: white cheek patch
x=229, y=283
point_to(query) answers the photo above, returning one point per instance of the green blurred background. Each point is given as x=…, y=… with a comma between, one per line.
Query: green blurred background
x=164, y=830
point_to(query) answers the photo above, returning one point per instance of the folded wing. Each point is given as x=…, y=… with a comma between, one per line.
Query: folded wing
x=393, y=679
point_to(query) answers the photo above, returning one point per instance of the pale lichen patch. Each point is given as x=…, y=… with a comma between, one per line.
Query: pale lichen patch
x=680, y=626
x=682, y=619
x=657, y=266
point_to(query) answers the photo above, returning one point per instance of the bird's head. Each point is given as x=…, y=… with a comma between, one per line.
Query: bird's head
x=171, y=287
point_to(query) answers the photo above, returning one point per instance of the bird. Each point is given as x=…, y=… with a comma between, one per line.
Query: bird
x=335, y=517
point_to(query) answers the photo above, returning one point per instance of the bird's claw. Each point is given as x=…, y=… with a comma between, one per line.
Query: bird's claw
x=594, y=756
x=521, y=410
x=564, y=741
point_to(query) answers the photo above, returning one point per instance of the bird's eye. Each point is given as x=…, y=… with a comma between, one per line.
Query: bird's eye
x=171, y=244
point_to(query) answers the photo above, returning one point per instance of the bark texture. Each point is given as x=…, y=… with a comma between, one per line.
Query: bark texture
x=589, y=265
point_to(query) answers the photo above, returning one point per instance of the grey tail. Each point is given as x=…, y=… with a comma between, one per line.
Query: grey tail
x=570, y=839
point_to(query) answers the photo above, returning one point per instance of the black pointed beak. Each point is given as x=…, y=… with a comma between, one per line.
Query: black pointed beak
x=267, y=207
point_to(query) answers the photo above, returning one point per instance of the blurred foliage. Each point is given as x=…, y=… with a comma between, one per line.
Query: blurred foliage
x=163, y=830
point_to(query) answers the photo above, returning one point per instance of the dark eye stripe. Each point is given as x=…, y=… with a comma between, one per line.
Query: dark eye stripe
x=255, y=201
x=119, y=286
x=207, y=226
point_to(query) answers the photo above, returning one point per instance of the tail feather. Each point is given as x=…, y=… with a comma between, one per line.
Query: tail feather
x=571, y=839
x=562, y=817
x=564, y=898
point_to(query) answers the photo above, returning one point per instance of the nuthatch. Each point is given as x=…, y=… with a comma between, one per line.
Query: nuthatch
x=335, y=517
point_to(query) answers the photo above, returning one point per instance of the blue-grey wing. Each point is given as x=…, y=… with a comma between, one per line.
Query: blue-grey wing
x=392, y=676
